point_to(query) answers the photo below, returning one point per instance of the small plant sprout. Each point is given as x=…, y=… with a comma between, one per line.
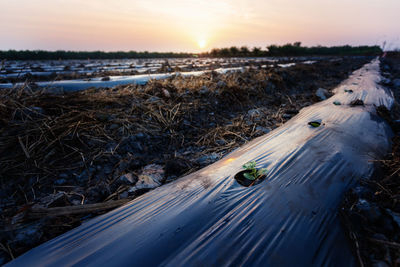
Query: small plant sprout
x=253, y=173
x=314, y=124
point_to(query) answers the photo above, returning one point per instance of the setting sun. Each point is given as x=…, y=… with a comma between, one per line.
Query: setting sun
x=201, y=43
x=193, y=25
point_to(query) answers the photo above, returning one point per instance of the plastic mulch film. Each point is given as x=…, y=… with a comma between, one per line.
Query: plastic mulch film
x=208, y=219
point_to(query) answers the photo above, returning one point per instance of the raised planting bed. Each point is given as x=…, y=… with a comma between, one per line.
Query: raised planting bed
x=99, y=146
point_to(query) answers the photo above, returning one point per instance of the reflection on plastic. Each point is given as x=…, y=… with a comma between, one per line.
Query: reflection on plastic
x=81, y=84
x=208, y=219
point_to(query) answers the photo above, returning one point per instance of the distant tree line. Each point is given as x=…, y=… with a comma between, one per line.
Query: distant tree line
x=234, y=51
x=61, y=54
x=294, y=49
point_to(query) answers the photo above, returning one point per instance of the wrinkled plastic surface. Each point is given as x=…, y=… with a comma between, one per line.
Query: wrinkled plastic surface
x=208, y=219
x=141, y=79
x=82, y=84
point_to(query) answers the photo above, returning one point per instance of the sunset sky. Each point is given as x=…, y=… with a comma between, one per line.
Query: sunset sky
x=194, y=25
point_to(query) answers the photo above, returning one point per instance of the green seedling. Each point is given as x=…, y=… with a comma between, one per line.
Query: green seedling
x=337, y=103
x=253, y=173
x=314, y=124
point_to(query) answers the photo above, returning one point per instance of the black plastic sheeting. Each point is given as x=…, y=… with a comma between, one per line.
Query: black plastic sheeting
x=208, y=219
x=83, y=84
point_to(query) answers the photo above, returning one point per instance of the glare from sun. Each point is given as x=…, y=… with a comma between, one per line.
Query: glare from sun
x=202, y=43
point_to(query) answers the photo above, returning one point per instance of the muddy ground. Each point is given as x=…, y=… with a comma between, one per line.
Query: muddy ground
x=371, y=211
x=66, y=158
